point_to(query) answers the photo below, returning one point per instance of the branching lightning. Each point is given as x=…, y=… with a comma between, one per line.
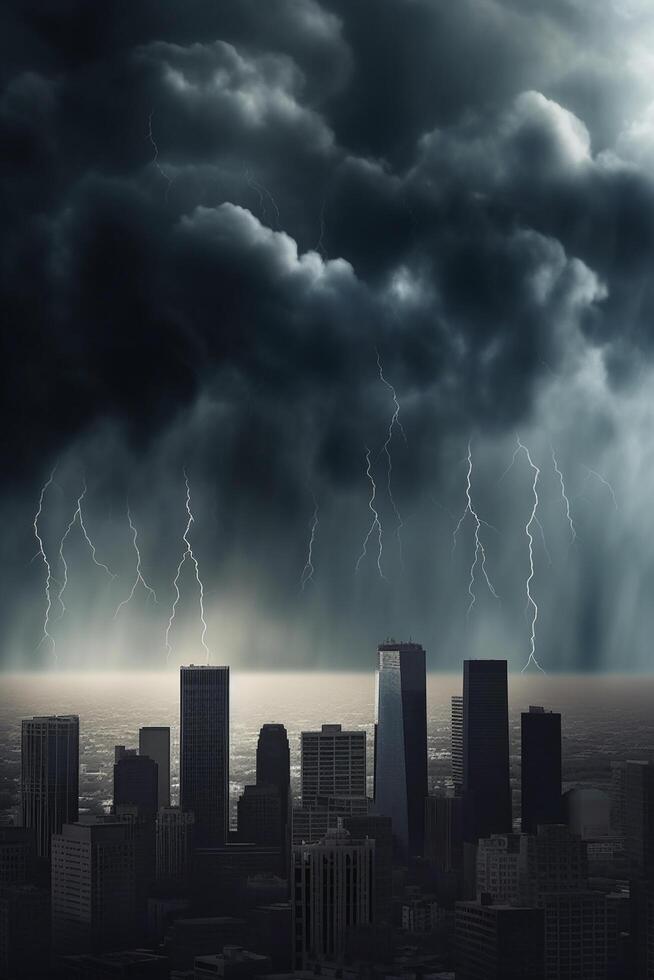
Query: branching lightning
x=48, y=576
x=533, y=519
x=479, y=547
x=395, y=421
x=77, y=517
x=564, y=497
x=188, y=553
x=376, y=523
x=139, y=574
x=605, y=483
x=155, y=160
x=263, y=193
x=308, y=570
x=319, y=247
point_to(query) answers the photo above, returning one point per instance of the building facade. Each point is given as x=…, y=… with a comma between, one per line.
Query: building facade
x=49, y=776
x=333, y=763
x=155, y=743
x=540, y=733
x=174, y=843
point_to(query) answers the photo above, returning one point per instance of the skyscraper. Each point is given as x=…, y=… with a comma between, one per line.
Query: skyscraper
x=259, y=816
x=155, y=743
x=333, y=764
x=136, y=783
x=457, y=742
x=401, y=742
x=274, y=768
x=174, y=843
x=541, y=768
x=49, y=776
x=204, y=751
x=486, y=784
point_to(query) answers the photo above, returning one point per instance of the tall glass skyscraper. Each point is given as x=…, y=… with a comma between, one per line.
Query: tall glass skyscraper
x=155, y=743
x=401, y=742
x=486, y=784
x=49, y=776
x=204, y=751
x=540, y=732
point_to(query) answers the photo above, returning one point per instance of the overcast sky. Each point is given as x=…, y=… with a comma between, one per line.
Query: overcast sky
x=218, y=221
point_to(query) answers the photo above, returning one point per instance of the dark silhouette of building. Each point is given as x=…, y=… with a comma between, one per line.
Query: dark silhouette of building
x=133, y=964
x=24, y=932
x=639, y=817
x=201, y=936
x=444, y=832
x=49, y=776
x=234, y=963
x=174, y=843
x=333, y=764
x=17, y=855
x=204, y=751
x=379, y=829
x=260, y=816
x=155, y=743
x=401, y=742
x=136, y=781
x=274, y=769
x=498, y=942
x=93, y=887
x=486, y=784
x=540, y=732
x=270, y=931
x=457, y=742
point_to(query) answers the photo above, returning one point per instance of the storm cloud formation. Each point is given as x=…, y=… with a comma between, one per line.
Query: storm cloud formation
x=216, y=217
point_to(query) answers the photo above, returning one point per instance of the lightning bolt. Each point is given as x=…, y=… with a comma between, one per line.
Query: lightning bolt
x=479, y=547
x=188, y=553
x=155, y=160
x=606, y=483
x=48, y=577
x=77, y=516
x=533, y=519
x=395, y=421
x=139, y=574
x=308, y=570
x=564, y=497
x=319, y=246
x=262, y=193
x=376, y=523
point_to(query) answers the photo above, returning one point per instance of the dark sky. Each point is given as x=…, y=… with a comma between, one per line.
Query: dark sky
x=216, y=217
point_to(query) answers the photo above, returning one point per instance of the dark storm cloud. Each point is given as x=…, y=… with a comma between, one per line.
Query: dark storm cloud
x=237, y=205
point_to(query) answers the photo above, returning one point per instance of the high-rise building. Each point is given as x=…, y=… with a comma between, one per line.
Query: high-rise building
x=457, y=742
x=259, y=815
x=443, y=832
x=332, y=892
x=333, y=763
x=136, y=781
x=93, y=887
x=310, y=823
x=501, y=869
x=486, y=784
x=24, y=932
x=379, y=829
x=204, y=751
x=155, y=743
x=576, y=935
x=541, y=768
x=639, y=817
x=498, y=942
x=16, y=855
x=401, y=742
x=174, y=843
x=274, y=761
x=49, y=776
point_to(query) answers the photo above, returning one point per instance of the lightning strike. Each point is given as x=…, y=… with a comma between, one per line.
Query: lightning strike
x=395, y=421
x=479, y=547
x=376, y=523
x=263, y=193
x=533, y=519
x=319, y=247
x=308, y=570
x=605, y=483
x=48, y=577
x=188, y=553
x=77, y=518
x=155, y=160
x=139, y=574
x=564, y=497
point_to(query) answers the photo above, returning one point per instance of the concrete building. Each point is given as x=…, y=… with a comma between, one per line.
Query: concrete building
x=260, y=816
x=501, y=869
x=49, y=786
x=587, y=812
x=17, y=855
x=498, y=942
x=136, y=783
x=174, y=843
x=155, y=743
x=333, y=764
x=332, y=891
x=444, y=832
x=310, y=823
x=234, y=963
x=93, y=887
x=457, y=742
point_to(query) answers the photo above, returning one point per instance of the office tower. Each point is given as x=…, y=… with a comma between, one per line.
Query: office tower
x=260, y=816
x=576, y=935
x=618, y=798
x=49, y=776
x=379, y=829
x=639, y=817
x=93, y=887
x=587, y=812
x=120, y=751
x=174, y=843
x=155, y=743
x=16, y=855
x=136, y=781
x=401, y=742
x=204, y=751
x=501, y=869
x=498, y=942
x=444, y=832
x=333, y=763
x=332, y=891
x=24, y=932
x=540, y=732
x=311, y=823
x=274, y=762
x=486, y=785
x=457, y=743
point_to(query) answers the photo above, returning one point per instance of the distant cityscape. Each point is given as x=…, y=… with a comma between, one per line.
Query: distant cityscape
x=401, y=884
